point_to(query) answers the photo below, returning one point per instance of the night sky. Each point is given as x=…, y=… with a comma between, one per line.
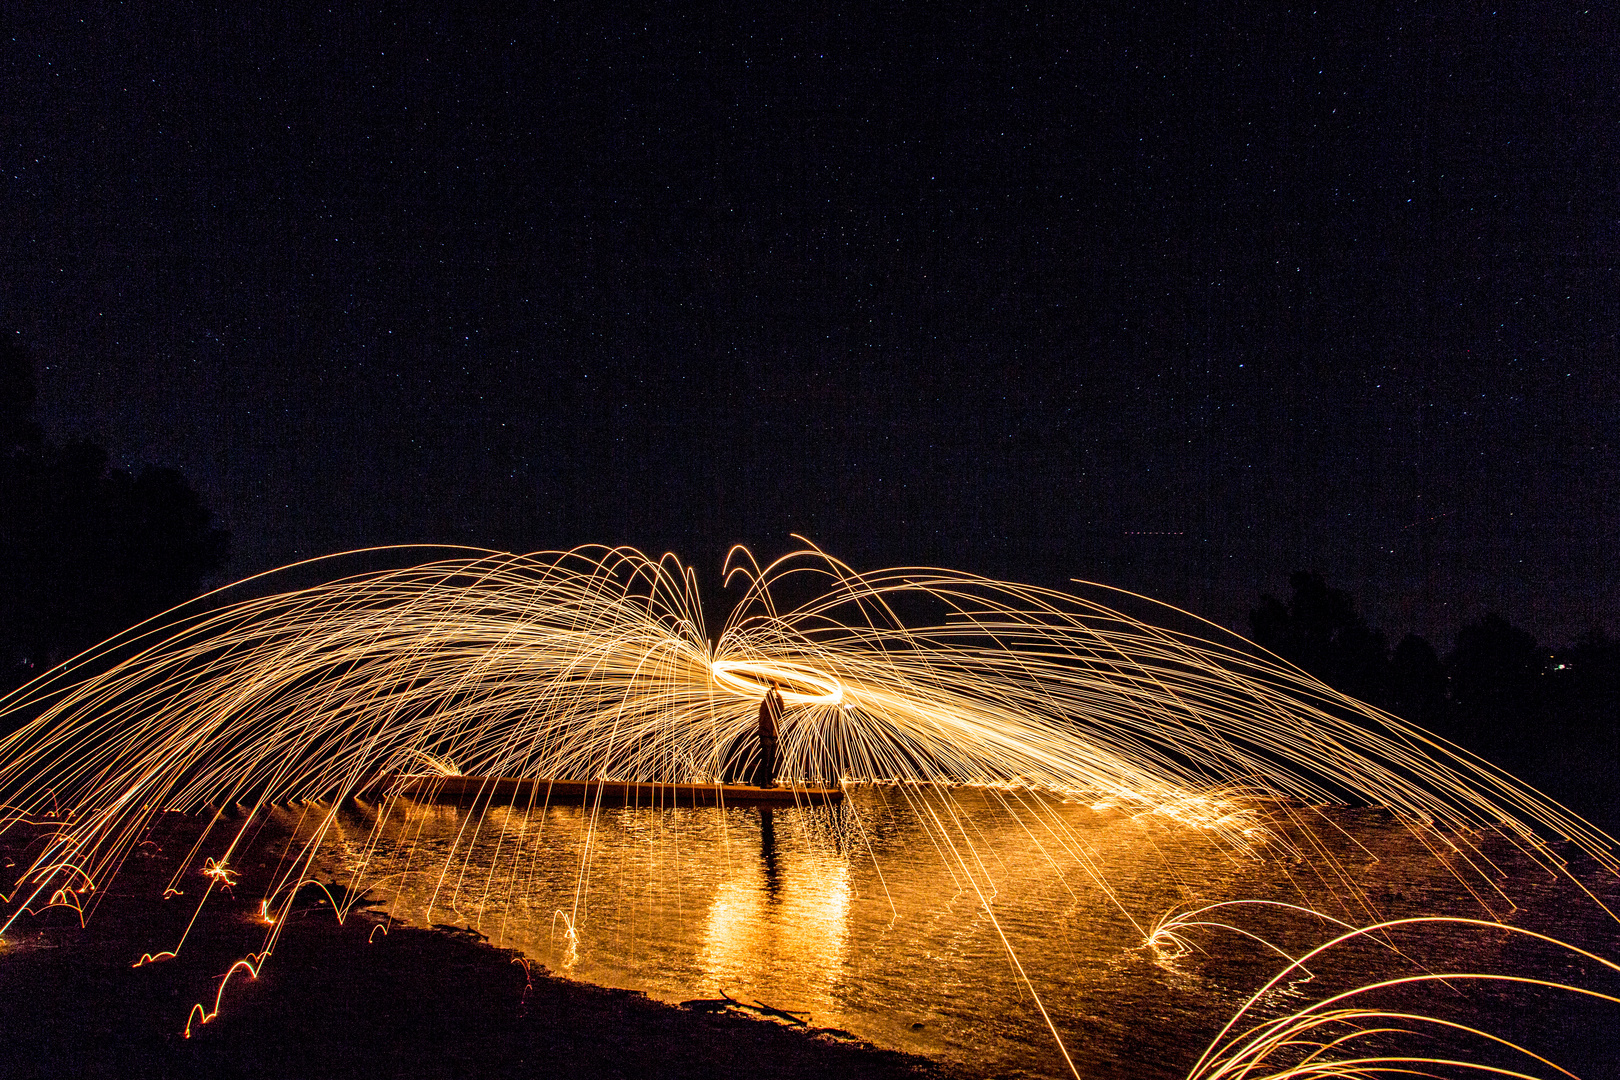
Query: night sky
x=1172, y=297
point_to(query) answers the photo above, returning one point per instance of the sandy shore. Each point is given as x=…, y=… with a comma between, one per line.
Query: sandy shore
x=347, y=1000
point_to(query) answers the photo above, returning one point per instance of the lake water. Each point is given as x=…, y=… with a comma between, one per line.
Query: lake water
x=980, y=927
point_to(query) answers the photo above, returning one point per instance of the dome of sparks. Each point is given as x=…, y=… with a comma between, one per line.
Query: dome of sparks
x=493, y=675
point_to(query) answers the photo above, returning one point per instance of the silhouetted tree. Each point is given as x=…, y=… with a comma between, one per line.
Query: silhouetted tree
x=1587, y=675
x=1580, y=755
x=86, y=550
x=1497, y=689
x=1320, y=631
x=1553, y=719
x=1417, y=681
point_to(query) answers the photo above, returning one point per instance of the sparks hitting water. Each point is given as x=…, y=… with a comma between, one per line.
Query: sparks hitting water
x=595, y=664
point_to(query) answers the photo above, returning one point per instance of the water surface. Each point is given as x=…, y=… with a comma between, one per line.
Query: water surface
x=977, y=927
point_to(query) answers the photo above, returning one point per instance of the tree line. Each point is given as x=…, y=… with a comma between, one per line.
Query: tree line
x=86, y=549
x=1550, y=715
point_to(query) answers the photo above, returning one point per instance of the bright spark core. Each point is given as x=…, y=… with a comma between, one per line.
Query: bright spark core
x=799, y=686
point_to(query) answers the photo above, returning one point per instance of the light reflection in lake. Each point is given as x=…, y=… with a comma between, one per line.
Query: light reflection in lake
x=757, y=922
x=928, y=922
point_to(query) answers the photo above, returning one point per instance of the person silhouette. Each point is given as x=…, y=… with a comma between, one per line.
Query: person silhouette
x=770, y=720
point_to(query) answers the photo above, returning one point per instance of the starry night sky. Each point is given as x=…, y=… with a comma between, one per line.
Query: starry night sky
x=1172, y=297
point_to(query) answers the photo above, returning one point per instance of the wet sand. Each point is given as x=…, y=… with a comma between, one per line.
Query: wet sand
x=348, y=1000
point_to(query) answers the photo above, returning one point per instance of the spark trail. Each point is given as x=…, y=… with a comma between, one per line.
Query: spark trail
x=596, y=664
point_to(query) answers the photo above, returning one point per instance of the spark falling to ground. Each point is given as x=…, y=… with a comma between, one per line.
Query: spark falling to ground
x=1351, y=1033
x=596, y=664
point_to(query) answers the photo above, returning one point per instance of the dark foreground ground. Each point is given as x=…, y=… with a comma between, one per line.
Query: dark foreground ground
x=347, y=1001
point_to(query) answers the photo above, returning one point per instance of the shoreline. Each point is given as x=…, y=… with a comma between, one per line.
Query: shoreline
x=352, y=999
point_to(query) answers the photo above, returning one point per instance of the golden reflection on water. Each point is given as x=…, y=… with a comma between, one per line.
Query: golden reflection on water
x=893, y=916
x=789, y=912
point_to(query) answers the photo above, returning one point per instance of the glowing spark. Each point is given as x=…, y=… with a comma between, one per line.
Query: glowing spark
x=219, y=872
x=250, y=965
x=799, y=686
x=1312, y=1042
x=594, y=664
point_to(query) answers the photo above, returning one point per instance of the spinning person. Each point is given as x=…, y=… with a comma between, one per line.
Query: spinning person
x=770, y=719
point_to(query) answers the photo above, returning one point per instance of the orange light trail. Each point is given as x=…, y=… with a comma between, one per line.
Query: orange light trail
x=595, y=664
